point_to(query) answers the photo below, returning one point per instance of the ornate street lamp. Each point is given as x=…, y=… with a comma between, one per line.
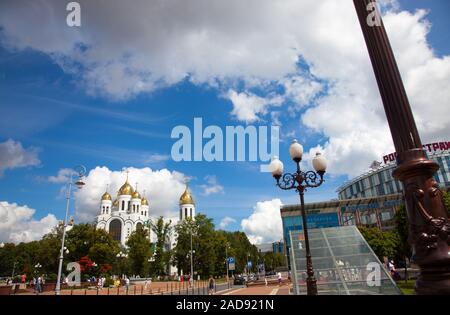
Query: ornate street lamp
x=429, y=226
x=301, y=181
x=79, y=170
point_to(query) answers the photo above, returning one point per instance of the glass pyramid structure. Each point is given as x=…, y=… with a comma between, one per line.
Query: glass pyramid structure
x=344, y=264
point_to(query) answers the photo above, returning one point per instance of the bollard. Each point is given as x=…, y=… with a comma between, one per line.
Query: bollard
x=97, y=290
x=84, y=291
x=118, y=290
x=142, y=290
x=134, y=290
x=108, y=291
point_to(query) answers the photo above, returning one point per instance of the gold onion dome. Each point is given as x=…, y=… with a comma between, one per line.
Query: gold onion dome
x=136, y=195
x=144, y=202
x=186, y=197
x=115, y=203
x=126, y=189
x=106, y=196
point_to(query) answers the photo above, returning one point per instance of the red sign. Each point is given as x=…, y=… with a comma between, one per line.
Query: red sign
x=431, y=147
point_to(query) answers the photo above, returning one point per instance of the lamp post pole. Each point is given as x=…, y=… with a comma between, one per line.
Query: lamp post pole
x=300, y=181
x=226, y=258
x=81, y=170
x=429, y=226
x=192, y=262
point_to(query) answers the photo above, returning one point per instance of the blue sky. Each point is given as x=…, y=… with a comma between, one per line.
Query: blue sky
x=51, y=105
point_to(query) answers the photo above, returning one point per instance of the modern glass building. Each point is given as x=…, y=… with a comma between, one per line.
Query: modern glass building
x=344, y=264
x=379, y=181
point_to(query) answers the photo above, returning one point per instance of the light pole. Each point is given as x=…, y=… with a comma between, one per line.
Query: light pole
x=226, y=258
x=36, y=267
x=80, y=170
x=14, y=269
x=192, y=255
x=121, y=255
x=301, y=181
x=429, y=226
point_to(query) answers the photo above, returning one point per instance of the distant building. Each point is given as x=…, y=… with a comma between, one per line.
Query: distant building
x=278, y=247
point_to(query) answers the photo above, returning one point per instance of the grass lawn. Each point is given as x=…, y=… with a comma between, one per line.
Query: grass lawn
x=407, y=287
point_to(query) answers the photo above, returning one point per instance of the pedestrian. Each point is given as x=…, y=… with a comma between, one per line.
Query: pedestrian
x=280, y=279
x=39, y=284
x=127, y=282
x=265, y=280
x=212, y=285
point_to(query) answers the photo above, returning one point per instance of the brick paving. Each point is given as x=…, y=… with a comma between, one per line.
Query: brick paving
x=174, y=288
x=259, y=290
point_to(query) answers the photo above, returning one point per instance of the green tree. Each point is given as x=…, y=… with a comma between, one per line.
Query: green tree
x=403, y=250
x=163, y=231
x=446, y=197
x=205, y=243
x=139, y=251
x=384, y=244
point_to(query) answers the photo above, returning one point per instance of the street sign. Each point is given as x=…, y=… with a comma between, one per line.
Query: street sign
x=231, y=260
x=231, y=266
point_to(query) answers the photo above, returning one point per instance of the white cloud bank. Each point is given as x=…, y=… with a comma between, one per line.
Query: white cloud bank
x=264, y=224
x=250, y=51
x=163, y=189
x=17, y=223
x=14, y=155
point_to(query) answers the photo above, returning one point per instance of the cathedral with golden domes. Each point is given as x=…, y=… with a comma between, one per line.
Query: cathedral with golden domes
x=130, y=211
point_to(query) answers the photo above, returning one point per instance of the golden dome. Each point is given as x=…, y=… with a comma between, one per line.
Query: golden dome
x=144, y=202
x=115, y=203
x=126, y=189
x=136, y=195
x=106, y=196
x=186, y=197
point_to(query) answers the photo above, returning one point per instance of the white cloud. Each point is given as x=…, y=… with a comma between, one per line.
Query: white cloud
x=226, y=221
x=163, y=189
x=264, y=224
x=62, y=177
x=17, y=223
x=243, y=48
x=156, y=158
x=248, y=106
x=212, y=186
x=14, y=155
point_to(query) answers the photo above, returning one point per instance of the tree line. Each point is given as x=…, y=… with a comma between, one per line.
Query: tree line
x=98, y=253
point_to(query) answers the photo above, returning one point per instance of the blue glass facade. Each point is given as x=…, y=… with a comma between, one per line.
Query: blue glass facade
x=314, y=221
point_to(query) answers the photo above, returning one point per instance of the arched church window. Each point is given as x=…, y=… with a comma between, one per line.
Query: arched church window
x=134, y=208
x=123, y=205
x=190, y=211
x=115, y=229
x=185, y=212
x=181, y=214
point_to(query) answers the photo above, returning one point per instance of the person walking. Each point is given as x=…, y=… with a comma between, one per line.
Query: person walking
x=212, y=285
x=39, y=284
x=280, y=279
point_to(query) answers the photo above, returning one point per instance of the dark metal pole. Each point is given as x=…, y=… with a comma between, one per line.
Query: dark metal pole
x=428, y=219
x=311, y=283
